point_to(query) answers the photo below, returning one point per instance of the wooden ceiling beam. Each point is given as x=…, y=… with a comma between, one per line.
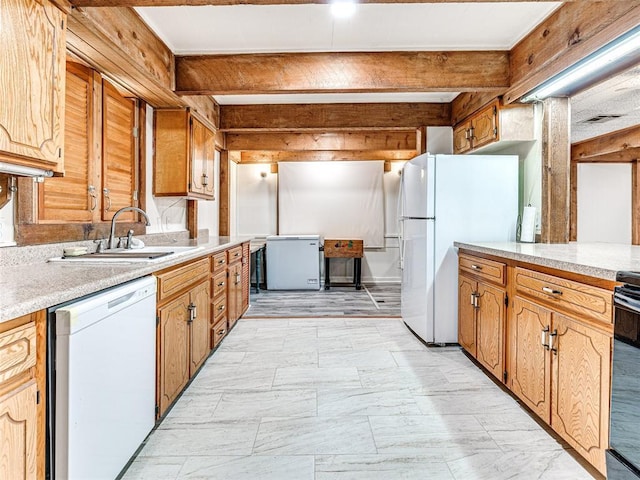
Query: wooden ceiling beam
x=323, y=156
x=171, y=3
x=468, y=103
x=354, y=141
x=339, y=72
x=333, y=117
x=571, y=33
x=117, y=43
x=620, y=146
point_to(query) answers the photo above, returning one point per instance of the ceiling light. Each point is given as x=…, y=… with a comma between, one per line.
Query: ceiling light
x=343, y=8
x=595, y=65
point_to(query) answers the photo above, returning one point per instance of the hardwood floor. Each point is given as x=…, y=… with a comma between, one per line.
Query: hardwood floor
x=375, y=300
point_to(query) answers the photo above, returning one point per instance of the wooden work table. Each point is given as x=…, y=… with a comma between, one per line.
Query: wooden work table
x=343, y=248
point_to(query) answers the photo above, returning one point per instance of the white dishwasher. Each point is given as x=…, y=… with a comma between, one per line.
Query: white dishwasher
x=104, y=380
x=293, y=262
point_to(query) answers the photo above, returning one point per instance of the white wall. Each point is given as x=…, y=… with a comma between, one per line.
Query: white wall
x=257, y=199
x=7, y=215
x=604, y=202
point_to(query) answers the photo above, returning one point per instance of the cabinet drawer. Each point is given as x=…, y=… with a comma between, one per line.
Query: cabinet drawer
x=17, y=351
x=568, y=295
x=219, y=307
x=218, y=332
x=219, y=283
x=481, y=267
x=235, y=254
x=219, y=262
x=173, y=281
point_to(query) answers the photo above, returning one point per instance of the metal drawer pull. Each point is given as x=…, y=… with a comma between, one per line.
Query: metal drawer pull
x=222, y=332
x=551, y=291
x=236, y=254
x=220, y=308
x=221, y=284
x=551, y=337
x=476, y=267
x=220, y=262
x=543, y=338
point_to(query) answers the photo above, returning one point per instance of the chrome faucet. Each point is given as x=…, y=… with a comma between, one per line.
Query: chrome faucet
x=112, y=239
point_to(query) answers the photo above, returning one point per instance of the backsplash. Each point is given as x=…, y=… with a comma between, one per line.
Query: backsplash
x=15, y=256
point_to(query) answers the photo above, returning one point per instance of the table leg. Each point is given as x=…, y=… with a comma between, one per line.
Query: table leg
x=327, y=280
x=258, y=262
x=357, y=267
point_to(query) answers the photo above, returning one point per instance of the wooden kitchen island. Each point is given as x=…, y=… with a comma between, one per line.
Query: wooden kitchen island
x=539, y=318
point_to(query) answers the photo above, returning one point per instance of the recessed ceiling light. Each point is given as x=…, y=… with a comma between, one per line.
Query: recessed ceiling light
x=343, y=8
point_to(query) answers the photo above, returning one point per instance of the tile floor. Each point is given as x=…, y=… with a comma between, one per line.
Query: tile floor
x=346, y=399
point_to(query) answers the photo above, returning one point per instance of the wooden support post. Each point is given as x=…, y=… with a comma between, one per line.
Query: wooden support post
x=225, y=194
x=421, y=140
x=556, y=155
x=573, y=214
x=192, y=218
x=635, y=203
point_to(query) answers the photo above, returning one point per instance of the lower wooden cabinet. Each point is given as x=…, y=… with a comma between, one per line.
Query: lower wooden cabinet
x=184, y=295
x=18, y=432
x=481, y=319
x=22, y=381
x=553, y=343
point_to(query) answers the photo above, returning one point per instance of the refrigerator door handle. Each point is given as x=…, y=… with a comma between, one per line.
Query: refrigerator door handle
x=400, y=220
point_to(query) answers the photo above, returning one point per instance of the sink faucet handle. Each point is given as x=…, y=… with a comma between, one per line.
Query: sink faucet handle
x=129, y=238
x=100, y=245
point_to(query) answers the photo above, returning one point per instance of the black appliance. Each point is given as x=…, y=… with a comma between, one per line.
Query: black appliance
x=623, y=457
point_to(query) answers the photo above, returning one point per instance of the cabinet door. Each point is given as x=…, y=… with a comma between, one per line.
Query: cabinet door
x=199, y=326
x=32, y=77
x=234, y=292
x=246, y=273
x=119, y=164
x=461, y=139
x=490, y=328
x=18, y=432
x=173, y=368
x=485, y=127
x=530, y=374
x=198, y=155
x=580, y=388
x=208, y=166
x=467, y=314
x=74, y=197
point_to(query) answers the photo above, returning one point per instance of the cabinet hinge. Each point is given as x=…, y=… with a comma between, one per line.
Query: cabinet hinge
x=157, y=409
x=506, y=300
x=495, y=110
x=62, y=24
x=59, y=152
x=38, y=397
x=504, y=376
x=495, y=132
x=134, y=131
x=189, y=186
x=157, y=320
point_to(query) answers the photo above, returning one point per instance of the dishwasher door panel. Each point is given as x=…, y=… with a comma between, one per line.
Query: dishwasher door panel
x=105, y=383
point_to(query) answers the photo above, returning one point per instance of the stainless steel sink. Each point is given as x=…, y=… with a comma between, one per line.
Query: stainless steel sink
x=146, y=254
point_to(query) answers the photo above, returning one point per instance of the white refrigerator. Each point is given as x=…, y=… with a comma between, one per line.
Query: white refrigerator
x=447, y=198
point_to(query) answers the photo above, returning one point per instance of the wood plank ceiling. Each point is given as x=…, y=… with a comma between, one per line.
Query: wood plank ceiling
x=117, y=41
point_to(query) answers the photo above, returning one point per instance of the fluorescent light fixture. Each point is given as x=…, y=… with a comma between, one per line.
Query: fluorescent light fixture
x=595, y=64
x=12, y=169
x=343, y=8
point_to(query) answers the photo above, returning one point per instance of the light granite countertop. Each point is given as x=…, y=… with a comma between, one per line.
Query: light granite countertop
x=29, y=287
x=599, y=260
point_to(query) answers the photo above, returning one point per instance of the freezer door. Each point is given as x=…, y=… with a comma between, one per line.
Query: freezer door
x=416, y=191
x=417, y=277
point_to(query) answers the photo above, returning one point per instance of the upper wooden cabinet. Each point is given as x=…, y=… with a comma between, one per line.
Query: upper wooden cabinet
x=32, y=78
x=494, y=126
x=101, y=168
x=184, y=156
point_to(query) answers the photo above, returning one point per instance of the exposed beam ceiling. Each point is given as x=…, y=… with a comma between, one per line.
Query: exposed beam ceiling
x=322, y=156
x=620, y=146
x=168, y=3
x=342, y=72
x=346, y=141
x=338, y=116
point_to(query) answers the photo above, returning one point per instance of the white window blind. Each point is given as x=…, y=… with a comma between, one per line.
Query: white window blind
x=332, y=199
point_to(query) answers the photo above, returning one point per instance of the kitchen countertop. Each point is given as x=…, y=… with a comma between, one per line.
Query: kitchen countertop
x=599, y=260
x=30, y=287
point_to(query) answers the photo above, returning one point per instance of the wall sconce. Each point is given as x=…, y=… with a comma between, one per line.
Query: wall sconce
x=263, y=174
